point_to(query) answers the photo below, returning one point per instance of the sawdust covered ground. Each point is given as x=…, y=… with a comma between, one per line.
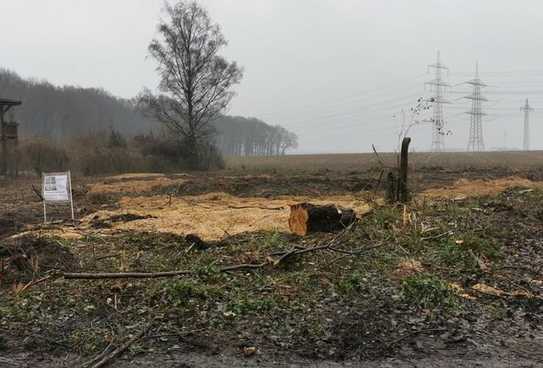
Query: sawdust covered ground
x=135, y=183
x=212, y=216
x=313, y=307
x=217, y=214
x=464, y=188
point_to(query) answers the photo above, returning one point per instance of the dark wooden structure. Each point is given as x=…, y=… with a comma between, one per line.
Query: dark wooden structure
x=308, y=218
x=8, y=136
x=396, y=189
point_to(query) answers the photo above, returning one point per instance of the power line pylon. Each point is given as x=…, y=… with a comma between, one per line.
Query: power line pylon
x=476, y=142
x=526, y=109
x=438, y=87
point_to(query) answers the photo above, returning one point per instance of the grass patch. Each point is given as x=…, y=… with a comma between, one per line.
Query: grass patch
x=463, y=255
x=244, y=306
x=182, y=292
x=429, y=292
x=352, y=283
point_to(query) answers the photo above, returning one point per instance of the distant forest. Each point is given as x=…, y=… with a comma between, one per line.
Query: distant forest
x=59, y=113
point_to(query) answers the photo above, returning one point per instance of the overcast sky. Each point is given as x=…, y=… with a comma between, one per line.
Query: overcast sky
x=336, y=72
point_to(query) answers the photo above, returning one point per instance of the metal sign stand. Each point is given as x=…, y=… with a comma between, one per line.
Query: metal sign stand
x=71, y=197
x=69, y=193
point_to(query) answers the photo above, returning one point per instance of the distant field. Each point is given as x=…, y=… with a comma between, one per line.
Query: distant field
x=367, y=161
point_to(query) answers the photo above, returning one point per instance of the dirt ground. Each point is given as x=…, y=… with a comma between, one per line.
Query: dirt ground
x=451, y=280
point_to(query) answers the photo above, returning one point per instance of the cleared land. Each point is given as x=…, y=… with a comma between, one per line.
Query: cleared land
x=453, y=277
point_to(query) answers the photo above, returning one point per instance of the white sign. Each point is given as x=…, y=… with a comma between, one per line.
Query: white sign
x=55, y=187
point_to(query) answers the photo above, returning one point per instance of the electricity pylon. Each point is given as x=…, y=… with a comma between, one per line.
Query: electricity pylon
x=438, y=87
x=526, y=109
x=476, y=142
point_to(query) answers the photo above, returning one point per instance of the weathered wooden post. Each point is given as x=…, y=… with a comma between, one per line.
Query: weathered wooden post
x=403, y=192
x=8, y=132
x=4, y=153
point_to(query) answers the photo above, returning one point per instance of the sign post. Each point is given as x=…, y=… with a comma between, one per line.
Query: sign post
x=57, y=188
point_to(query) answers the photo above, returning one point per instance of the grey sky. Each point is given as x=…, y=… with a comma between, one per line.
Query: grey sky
x=333, y=71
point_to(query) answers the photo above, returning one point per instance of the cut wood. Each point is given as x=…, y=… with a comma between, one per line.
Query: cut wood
x=308, y=218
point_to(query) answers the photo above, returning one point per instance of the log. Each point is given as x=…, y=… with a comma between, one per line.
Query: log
x=307, y=218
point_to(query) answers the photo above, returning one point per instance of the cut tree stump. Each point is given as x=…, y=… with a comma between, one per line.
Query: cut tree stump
x=308, y=218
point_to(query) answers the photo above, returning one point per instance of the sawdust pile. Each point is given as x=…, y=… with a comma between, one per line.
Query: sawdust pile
x=214, y=215
x=464, y=188
x=135, y=183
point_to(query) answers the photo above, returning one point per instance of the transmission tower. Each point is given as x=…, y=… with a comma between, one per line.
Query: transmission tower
x=438, y=88
x=475, y=142
x=526, y=109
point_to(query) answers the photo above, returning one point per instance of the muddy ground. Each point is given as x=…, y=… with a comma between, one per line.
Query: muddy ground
x=452, y=280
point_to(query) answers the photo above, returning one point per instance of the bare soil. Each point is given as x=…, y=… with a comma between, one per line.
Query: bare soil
x=452, y=280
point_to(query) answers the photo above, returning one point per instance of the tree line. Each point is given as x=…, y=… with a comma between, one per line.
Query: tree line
x=63, y=113
x=239, y=136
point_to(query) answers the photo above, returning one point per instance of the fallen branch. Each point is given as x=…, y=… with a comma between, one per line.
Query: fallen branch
x=115, y=353
x=106, y=351
x=241, y=267
x=151, y=275
x=257, y=207
x=122, y=275
x=329, y=245
x=248, y=266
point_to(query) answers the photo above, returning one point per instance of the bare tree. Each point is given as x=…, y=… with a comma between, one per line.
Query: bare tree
x=195, y=82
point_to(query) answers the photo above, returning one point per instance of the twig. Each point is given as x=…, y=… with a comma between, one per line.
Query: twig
x=351, y=253
x=117, y=352
x=378, y=157
x=32, y=283
x=99, y=356
x=379, y=181
x=180, y=335
x=37, y=192
x=106, y=257
x=439, y=236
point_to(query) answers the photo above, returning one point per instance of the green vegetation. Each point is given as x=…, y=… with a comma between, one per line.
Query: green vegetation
x=429, y=291
x=419, y=265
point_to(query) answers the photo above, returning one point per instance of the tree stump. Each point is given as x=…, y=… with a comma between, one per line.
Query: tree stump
x=308, y=218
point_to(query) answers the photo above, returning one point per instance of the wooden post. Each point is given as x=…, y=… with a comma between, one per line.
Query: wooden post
x=3, y=138
x=403, y=192
x=5, y=105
